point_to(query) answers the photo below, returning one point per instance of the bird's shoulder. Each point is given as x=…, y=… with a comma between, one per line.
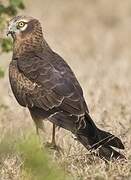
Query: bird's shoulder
x=48, y=65
x=55, y=83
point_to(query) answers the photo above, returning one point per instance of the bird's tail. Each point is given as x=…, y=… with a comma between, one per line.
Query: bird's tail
x=100, y=141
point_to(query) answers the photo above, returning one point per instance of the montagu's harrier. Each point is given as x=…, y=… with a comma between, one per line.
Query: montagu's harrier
x=44, y=83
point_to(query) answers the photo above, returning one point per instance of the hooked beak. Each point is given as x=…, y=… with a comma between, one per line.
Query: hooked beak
x=10, y=32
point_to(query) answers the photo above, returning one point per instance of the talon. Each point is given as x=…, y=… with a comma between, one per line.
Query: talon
x=54, y=147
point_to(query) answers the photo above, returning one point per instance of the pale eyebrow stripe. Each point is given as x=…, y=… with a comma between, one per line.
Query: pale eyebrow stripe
x=24, y=20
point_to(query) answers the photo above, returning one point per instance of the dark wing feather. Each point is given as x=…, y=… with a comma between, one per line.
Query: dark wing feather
x=51, y=91
x=52, y=87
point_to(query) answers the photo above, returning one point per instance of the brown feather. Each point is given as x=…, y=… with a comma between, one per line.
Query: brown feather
x=42, y=81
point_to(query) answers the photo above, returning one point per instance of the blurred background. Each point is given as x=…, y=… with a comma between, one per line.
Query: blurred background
x=94, y=37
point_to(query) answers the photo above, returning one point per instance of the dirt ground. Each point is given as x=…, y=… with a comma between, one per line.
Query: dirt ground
x=94, y=37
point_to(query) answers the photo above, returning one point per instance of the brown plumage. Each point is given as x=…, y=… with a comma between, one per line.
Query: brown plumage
x=44, y=83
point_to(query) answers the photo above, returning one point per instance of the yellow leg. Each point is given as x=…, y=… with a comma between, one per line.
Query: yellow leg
x=53, y=136
x=53, y=145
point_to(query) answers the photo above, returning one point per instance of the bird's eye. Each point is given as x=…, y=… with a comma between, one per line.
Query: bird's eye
x=20, y=24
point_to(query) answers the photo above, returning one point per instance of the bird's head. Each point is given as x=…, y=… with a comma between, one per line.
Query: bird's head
x=23, y=26
x=26, y=33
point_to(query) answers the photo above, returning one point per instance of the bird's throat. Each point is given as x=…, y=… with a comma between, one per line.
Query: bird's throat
x=26, y=46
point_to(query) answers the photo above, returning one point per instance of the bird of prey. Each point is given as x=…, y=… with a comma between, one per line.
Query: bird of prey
x=44, y=83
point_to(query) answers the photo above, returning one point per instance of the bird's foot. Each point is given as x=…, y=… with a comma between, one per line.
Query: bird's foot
x=53, y=146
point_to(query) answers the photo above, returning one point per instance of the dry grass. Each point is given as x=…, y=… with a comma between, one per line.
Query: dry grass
x=94, y=38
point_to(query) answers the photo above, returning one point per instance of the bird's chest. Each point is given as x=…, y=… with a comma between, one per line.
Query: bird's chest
x=21, y=86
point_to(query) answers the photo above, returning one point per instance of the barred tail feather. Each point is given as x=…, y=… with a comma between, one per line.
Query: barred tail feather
x=101, y=141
